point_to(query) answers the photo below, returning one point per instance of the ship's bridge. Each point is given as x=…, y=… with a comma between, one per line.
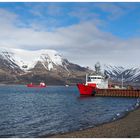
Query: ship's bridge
x=97, y=80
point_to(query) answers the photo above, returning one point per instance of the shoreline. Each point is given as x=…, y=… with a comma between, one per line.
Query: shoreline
x=127, y=126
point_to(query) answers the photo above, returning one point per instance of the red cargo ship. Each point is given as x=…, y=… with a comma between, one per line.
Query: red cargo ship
x=93, y=82
x=97, y=85
x=41, y=85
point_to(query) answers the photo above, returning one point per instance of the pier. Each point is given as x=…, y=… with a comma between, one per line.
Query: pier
x=117, y=93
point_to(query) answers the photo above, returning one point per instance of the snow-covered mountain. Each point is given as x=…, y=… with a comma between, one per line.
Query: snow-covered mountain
x=27, y=64
x=26, y=60
x=117, y=72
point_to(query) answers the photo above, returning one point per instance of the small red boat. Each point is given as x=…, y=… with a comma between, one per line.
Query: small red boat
x=41, y=85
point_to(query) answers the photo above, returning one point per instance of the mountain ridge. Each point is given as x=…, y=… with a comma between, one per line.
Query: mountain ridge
x=22, y=66
x=45, y=64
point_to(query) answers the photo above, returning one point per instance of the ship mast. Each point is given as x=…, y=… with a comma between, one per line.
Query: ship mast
x=86, y=78
x=97, y=68
x=122, y=81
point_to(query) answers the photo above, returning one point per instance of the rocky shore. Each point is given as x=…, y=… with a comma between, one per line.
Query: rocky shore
x=127, y=127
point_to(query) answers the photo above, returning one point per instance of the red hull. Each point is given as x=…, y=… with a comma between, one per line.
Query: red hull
x=86, y=89
x=35, y=86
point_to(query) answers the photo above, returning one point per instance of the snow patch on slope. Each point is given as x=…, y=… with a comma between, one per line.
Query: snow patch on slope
x=116, y=72
x=27, y=59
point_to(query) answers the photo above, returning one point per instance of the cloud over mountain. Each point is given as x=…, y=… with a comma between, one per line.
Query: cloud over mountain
x=83, y=40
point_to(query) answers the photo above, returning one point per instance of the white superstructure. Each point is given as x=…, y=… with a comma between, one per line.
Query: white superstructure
x=98, y=80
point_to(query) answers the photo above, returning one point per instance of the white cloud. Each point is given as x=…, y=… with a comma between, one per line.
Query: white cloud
x=6, y=16
x=82, y=43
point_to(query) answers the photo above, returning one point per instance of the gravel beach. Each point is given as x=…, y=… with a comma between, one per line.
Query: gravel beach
x=127, y=127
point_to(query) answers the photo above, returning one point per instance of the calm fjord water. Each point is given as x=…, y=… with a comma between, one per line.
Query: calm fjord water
x=33, y=112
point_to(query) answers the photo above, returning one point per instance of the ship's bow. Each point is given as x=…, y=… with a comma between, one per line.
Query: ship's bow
x=85, y=89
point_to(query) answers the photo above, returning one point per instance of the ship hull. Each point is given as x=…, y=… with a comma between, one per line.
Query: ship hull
x=86, y=90
x=92, y=91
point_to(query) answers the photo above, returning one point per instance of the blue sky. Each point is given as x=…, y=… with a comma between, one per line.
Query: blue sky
x=108, y=27
x=122, y=22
